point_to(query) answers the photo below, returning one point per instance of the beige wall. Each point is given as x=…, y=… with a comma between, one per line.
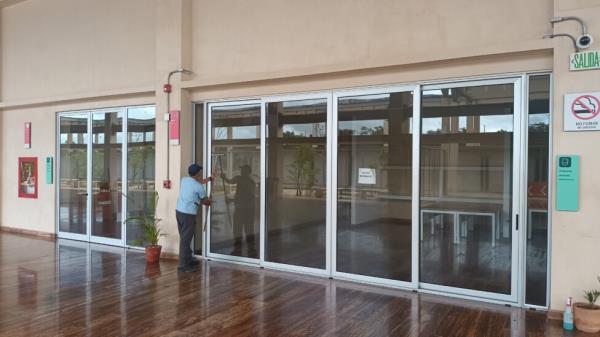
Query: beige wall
x=80, y=54
x=237, y=40
x=38, y=214
x=60, y=48
x=576, y=235
x=480, y=66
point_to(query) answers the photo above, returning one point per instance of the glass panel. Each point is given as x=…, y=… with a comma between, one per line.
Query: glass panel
x=141, y=126
x=374, y=208
x=107, y=137
x=296, y=183
x=466, y=187
x=537, y=190
x=198, y=158
x=72, y=208
x=235, y=151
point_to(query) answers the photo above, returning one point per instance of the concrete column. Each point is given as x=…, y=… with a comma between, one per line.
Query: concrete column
x=173, y=51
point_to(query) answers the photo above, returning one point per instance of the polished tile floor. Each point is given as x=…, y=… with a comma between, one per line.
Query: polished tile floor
x=67, y=288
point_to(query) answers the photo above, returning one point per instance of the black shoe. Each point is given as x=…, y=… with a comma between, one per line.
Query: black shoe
x=188, y=269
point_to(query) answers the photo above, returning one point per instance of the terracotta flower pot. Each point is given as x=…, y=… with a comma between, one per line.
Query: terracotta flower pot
x=153, y=254
x=586, y=319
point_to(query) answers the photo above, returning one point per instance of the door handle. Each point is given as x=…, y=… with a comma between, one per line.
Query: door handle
x=517, y=221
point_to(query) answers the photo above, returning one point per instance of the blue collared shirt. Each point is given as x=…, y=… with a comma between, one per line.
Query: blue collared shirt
x=190, y=194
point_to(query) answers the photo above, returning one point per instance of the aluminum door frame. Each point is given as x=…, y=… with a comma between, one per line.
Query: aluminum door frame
x=327, y=95
x=525, y=224
x=95, y=238
x=88, y=237
x=208, y=164
x=517, y=283
x=57, y=178
x=415, y=90
x=517, y=176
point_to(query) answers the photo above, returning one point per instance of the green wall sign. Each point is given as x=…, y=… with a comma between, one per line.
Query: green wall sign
x=585, y=60
x=567, y=183
x=49, y=170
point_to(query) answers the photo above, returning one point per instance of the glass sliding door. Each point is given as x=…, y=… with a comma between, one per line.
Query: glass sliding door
x=106, y=185
x=297, y=170
x=470, y=140
x=105, y=167
x=72, y=175
x=538, y=155
x=199, y=151
x=407, y=186
x=373, y=220
x=235, y=158
x=141, y=149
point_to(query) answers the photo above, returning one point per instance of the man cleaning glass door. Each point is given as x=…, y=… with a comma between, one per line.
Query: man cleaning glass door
x=192, y=194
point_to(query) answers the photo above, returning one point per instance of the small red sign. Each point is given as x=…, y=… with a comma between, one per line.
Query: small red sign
x=28, y=135
x=585, y=107
x=174, y=127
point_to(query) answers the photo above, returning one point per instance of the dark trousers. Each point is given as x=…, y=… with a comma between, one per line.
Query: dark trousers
x=186, y=224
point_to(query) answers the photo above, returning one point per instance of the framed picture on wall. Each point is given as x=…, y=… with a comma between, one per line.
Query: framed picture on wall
x=28, y=177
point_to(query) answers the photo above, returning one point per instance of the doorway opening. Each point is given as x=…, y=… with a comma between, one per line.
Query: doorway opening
x=424, y=187
x=105, y=173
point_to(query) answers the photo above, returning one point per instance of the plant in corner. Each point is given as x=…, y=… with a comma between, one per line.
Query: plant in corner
x=587, y=315
x=150, y=231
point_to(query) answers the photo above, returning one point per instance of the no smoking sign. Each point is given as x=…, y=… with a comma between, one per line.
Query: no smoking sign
x=582, y=112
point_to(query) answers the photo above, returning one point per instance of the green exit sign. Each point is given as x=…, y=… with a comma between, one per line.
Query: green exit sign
x=567, y=183
x=49, y=170
x=585, y=60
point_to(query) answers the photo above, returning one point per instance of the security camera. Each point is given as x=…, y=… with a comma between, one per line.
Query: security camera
x=584, y=41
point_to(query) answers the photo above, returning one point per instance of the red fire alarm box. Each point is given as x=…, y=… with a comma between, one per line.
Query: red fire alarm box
x=28, y=135
x=174, y=127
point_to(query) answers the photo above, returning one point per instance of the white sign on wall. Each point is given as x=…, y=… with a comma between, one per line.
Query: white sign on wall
x=582, y=112
x=366, y=176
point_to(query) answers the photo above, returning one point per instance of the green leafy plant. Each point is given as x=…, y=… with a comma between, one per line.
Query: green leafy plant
x=303, y=169
x=591, y=296
x=148, y=223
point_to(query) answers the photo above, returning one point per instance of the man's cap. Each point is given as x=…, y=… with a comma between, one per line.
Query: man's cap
x=194, y=169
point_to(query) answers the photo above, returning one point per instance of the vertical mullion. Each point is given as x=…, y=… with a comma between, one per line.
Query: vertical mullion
x=205, y=135
x=517, y=202
x=57, y=181
x=208, y=166
x=522, y=191
x=328, y=185
x=263, y=175
x=89, y=176
x=416, y=137
x=124, y=175
x=334, y=182
x=550, y=191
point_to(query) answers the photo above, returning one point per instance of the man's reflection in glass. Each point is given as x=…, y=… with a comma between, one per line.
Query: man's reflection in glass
x=243, y=217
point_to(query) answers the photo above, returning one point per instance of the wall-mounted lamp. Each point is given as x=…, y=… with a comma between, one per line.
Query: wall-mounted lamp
x=584, y=41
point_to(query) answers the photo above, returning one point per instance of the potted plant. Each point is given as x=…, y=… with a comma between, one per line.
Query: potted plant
x=151, y=232
x=587, y=315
